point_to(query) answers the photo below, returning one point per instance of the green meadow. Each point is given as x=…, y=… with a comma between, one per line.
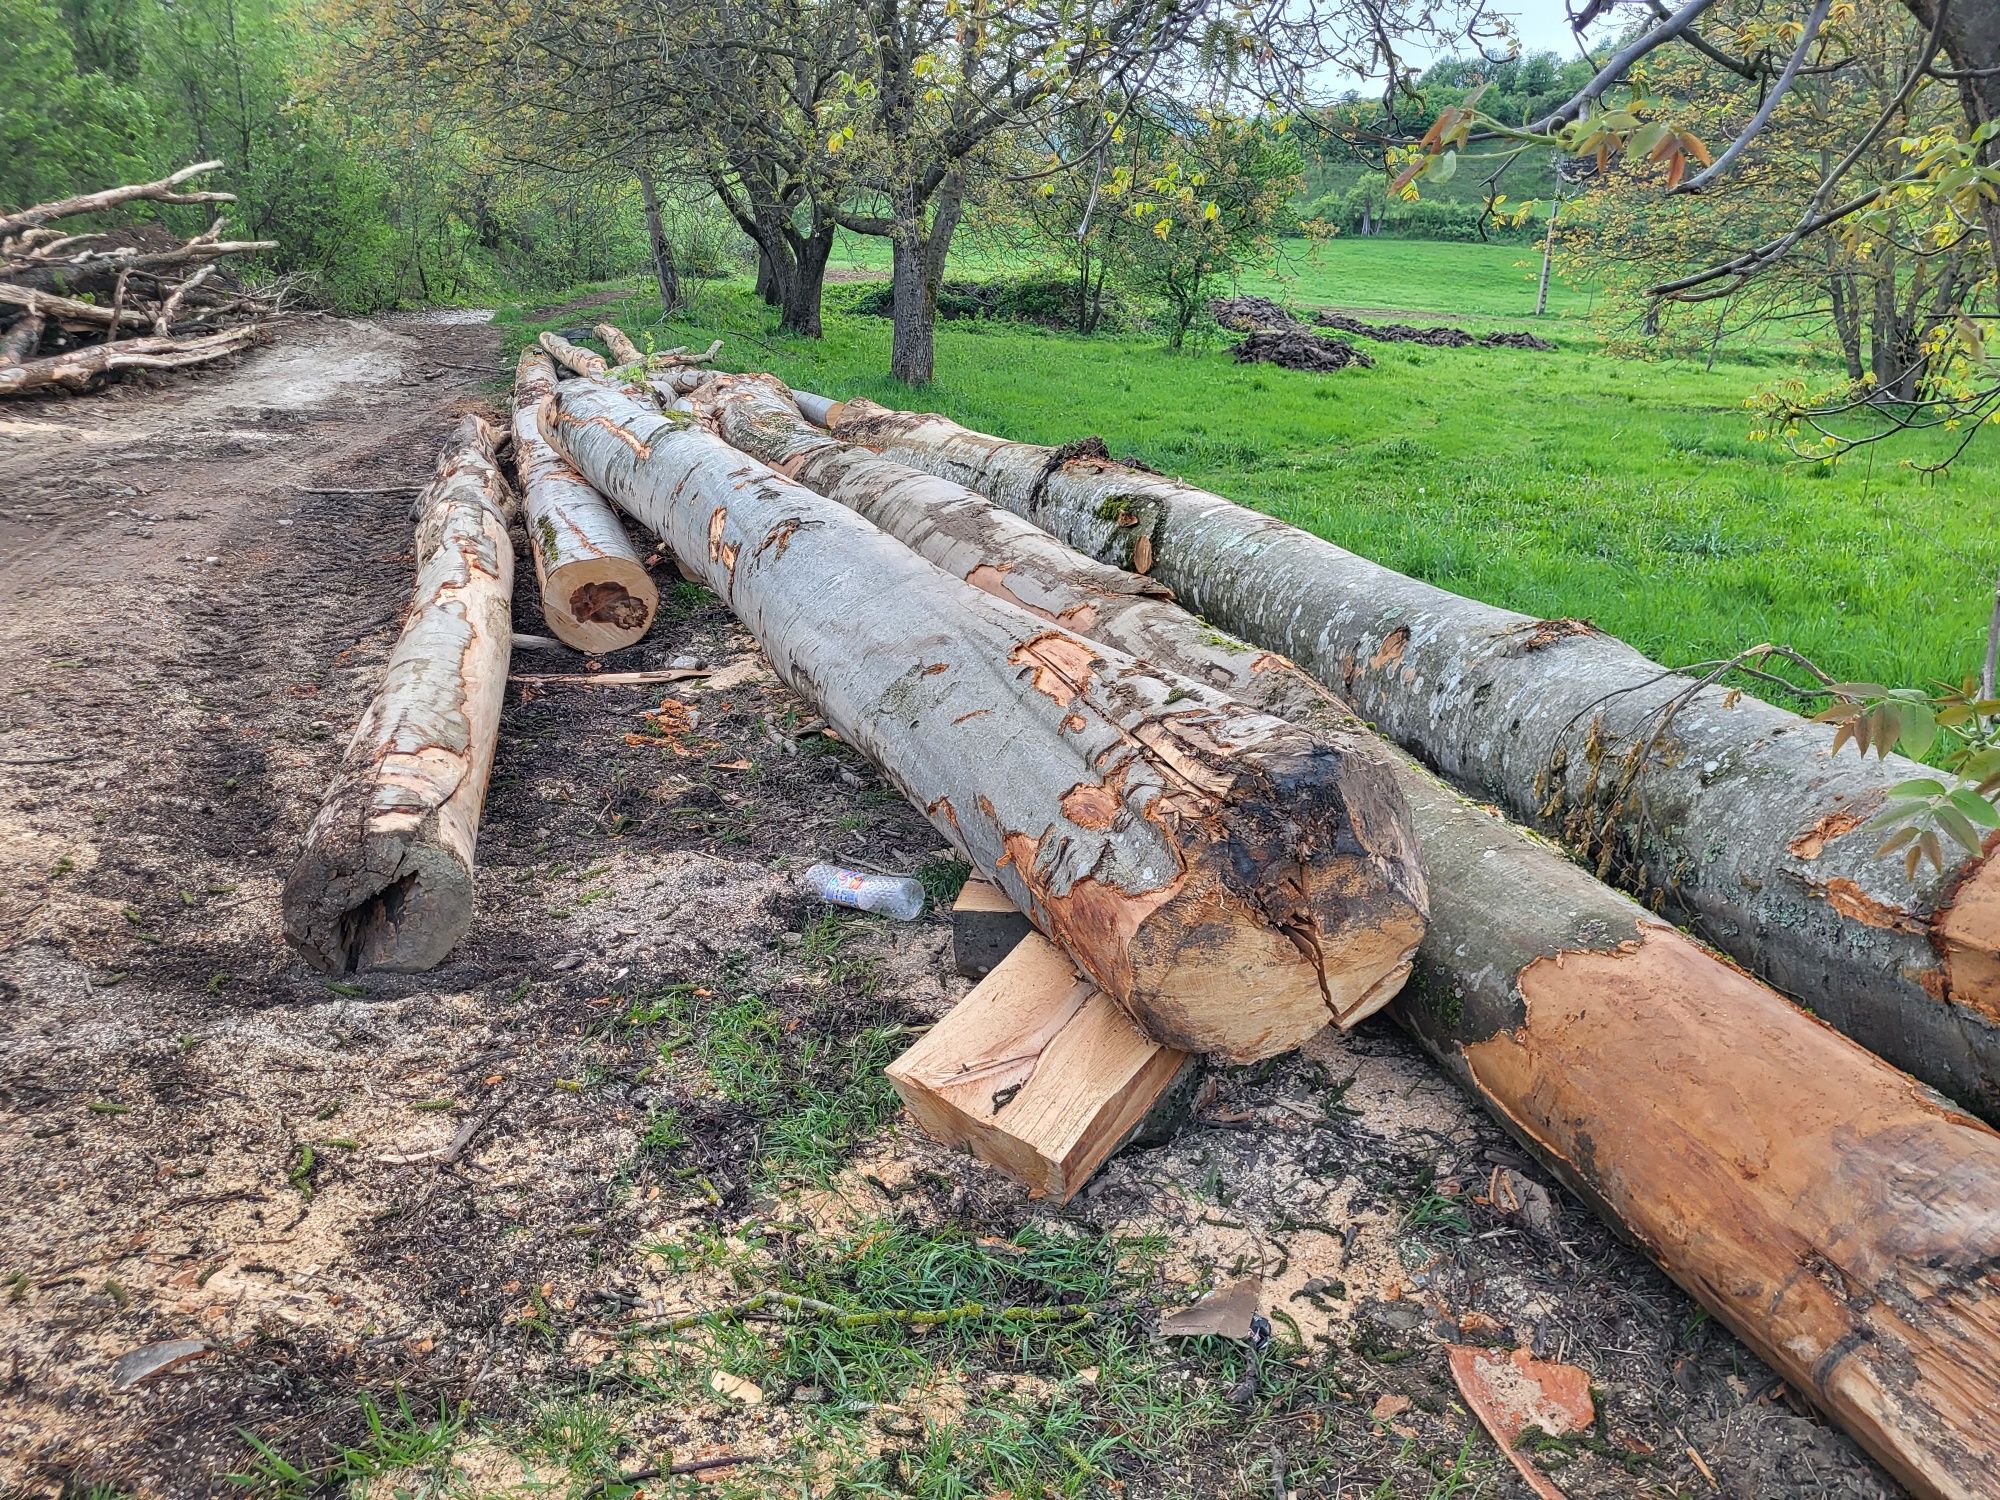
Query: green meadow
x=1567, y=483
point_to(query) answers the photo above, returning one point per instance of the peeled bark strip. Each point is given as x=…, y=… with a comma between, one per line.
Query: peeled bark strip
x=596, y=593
x=1837, y=1217
x=1742, y=822
x=79, y=369
x=1235, y=885
x=385, y=878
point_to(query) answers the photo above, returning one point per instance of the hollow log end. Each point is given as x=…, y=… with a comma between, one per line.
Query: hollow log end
x=390, y=903
x=598, y=604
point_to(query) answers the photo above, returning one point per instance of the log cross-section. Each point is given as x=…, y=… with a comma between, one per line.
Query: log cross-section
x=596, y=593
x=1736, y=815
x=1837, y=1216
x=1234, y=883
x=385, y=880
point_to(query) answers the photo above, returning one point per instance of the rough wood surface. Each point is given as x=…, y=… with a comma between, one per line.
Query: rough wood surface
x=166, y=190
x=385, y=880
x=595, y=591
x=1835, y=1215
x=1747, y=824
x=23, y=336
x=1235, y=884
x=81, y=368
x=1036, y=1071
x=622, y=348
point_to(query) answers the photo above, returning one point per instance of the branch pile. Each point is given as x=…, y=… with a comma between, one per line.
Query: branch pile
x=76, y=306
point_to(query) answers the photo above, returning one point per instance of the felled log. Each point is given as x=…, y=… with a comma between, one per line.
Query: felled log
x=1838, y=1218
x=574, y=357
x=70, y=312
x=1233, y=883
x=595, y=591
x=22, y=338
x=622, y=348
x=1737, y=817
x=385, y=880
x=80, y=368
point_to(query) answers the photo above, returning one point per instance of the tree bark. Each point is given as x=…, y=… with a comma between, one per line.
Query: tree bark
x=1235, y=885
x=595, y=591
x=665, y=273
x=81, y=368
x=621, y=346
x=1729, y=1136
x=385, y=879
x=916, y=271
x=163, y=191
x=1736, y=816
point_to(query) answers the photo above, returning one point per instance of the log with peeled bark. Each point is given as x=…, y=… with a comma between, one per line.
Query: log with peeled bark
x=1736, y=816
x=385, y=880
x=1836, y=1216
x=80, y=368
x=596, y=593
x=622, y=348
x=1232, y=882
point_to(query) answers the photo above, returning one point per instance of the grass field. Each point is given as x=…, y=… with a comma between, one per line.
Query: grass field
x=1569, y=483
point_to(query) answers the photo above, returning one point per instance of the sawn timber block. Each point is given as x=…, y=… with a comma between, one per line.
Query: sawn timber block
x=1037, y=1072
x=985, y=926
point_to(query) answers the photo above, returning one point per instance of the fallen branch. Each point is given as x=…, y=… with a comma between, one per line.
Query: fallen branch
x=163, y=191
x=78, y=369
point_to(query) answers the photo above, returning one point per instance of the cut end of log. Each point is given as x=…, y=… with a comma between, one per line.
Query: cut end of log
x=599, y=604
x=400, y=918
x=1967, y=934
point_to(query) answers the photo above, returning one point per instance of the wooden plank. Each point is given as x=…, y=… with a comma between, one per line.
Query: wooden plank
x=1036, y=1072
x=985, y=927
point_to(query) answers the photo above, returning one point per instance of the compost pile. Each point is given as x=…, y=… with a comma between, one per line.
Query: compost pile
x=1438, y=337
x=1298, y=349
x=78, y=304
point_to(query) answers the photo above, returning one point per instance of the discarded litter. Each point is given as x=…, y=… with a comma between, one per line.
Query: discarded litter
x=897, y=896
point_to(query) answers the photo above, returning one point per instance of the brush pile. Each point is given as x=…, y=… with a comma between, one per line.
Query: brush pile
x=1439, y=337
x=1298, y=349
x=77, y=304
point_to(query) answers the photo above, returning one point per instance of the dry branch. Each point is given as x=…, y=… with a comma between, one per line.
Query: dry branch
x=163, y=191
x=385, y=879
x=1233, y=883
x=1834, y=1215
x=595, y=591
x=1734, y=814
x=79, y=369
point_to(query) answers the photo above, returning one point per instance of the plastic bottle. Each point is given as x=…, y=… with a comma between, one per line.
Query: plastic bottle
x=896, y=896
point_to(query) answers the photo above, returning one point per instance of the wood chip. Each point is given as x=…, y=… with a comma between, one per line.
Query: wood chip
x=155, y=1359
x=607, y=679
x=1224, y=1313
x=1509, y=1393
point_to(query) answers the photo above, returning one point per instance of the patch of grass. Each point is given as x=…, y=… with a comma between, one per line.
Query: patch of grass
x=392, y=1441
x=943, y=879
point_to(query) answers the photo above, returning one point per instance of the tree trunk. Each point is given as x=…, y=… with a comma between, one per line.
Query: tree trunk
x=1731, y=1137
x=804, y=289
x=1234, y=884
x=81, y=368
x=916, y=272
x=1735, y=815
x=595, y=592
x=767, y=279
x=664, y=270
x=385, y=878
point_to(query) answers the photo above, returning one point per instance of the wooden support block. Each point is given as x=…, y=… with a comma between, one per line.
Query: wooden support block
x=1037, y=1072
x=985, y=926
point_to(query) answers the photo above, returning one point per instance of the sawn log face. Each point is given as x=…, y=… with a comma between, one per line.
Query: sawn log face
x=1748, y=824
x=385, y=878
x=596, y=593
x=1233, y=883
x=1834, y=1214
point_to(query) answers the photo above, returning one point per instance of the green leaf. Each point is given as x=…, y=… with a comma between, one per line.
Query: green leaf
x=1919, y=730
x=1443, y=168
x=1919, y=786
x=1976, y=807
x=1955, y=823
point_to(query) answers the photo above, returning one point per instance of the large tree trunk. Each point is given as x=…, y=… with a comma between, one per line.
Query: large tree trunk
x=385, y=878
x=804, y=291
x=1734, y=1139
x=1233, y=883
x=665, y=273
x=916, y=271
x=81, y=368
x=596, y=593
x=1736, y=816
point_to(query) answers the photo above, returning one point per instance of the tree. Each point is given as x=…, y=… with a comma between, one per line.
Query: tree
x=1192, y=202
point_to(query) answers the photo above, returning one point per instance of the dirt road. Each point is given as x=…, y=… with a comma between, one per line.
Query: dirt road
x=239, y=1198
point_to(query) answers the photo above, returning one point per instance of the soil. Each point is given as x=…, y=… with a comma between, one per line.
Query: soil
x=1297, y=349
x=433, y=1185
